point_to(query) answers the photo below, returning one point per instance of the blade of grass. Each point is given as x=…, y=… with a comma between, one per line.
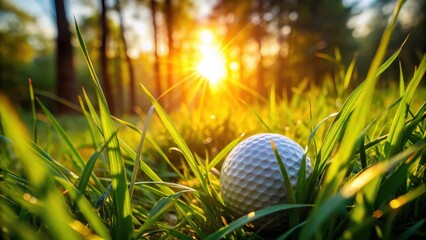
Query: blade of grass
x=123, y=226
x=356, y=123
x=56, y=168
x=224, y=152
x=257, y=116
x=77, y=159
x=408, y=234
x=291, y=199
x=88, y=169
x=328, y=208
x=54, y=215
x=86, y=208
x=89, y=121
x=224, y=231
x=146, y=169
x=178, y=139
x=393, y=143
x=33, y=110
x=139, y=153
x=158, y=210
x=11, y=222
x=349, y=73
x=92, y=111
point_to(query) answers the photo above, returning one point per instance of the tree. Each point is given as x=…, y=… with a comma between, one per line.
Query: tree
x=15, y=50
x=65, y=74
x=292, y=32
x=133, y=103
x=157, y=78
x=259, y=33
x=168, y=9
x=104, y=58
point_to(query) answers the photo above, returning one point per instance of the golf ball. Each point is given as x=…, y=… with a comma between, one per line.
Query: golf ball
x=251, y=178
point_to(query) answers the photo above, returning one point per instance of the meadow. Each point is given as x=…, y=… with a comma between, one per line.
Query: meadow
x=156, y=176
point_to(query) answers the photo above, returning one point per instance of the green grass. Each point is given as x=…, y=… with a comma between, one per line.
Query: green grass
x=77, y=177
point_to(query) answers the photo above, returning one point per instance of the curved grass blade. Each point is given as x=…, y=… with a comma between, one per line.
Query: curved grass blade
x=158, y=210
x=86, y=208
x=123, y=225
x=291, y=231
x=88, y=169
x=139, y=153
x=291, y=198
x=178, y=139
x=33, y=110
x=242, y=221
x=328, y=208
x=54, y=213
x=393, y=143
x=224, y=152
x=11, y=222
x=77, y=159
x=257, y=116
x=408, y=234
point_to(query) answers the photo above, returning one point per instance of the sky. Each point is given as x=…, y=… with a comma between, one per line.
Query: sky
x=44, y=10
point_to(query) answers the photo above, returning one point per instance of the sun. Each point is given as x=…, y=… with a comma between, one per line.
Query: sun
x=212, y=64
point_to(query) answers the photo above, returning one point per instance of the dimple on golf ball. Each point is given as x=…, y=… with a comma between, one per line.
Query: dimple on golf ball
x=251, y=178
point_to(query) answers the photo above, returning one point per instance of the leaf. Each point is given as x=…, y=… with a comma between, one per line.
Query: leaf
x=221, y=233
x=178, y=139
x=86, y=208
x=123, y=226
x=76, y=157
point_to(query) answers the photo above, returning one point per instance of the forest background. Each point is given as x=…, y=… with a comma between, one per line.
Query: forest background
x=159, y=43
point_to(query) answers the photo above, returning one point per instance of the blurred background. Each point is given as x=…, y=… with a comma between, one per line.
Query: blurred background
x=182, y=49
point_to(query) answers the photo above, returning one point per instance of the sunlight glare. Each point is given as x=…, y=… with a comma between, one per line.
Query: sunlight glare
x=212, y=65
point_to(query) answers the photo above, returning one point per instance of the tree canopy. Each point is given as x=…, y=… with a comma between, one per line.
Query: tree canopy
x=160, y=43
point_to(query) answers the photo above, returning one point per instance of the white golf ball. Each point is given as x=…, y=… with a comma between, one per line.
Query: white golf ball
x=251, y=178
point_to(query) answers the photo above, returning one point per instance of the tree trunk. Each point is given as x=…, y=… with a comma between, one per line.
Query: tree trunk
x=157, y=78
x=132, y=90
x=170, y=56
x=66, y=84
x=258, y=32
x=104, y=60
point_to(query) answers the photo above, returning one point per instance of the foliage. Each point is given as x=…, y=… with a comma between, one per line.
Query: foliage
x=15, y=49
x=368, y=154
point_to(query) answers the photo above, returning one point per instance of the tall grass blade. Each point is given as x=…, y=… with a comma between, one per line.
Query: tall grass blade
x=55, y=167
x=269, y=129
x=393, y=143
x=158, y=210
x=349, y=73
x=33, y=110
x=291, y=199
x=139, y=153
x=189, y=157
x=328, y=208
x=408, y=234
x=224, y=231
x=54, y=215
x=88, y=169
x=77, y=158
x=86, y=208
x=93, y=112
x=146, y=169
x=10, y=221
x=224, y=152
x=123, y=226
x=89, y=121
x=356, y=123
